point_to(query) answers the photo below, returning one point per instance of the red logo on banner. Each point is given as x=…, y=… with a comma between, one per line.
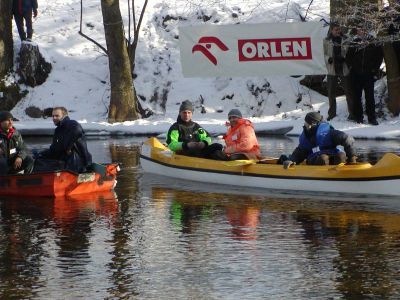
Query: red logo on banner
x=205, y=43
x=275, y=49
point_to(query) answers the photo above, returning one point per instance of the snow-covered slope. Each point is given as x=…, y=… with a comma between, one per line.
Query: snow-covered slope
x=80, y=79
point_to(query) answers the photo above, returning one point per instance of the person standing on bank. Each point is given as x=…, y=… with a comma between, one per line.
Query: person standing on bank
x=318, y=144
x=364, y=57
x=69, y=143
x=338, y=71
x=240, y=139
x=189, y=138
x=13, y=153
x=23, y=10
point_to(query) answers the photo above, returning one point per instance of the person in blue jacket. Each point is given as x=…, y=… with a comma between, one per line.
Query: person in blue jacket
x=23, y=10
x=318, y=144
x=69, y=143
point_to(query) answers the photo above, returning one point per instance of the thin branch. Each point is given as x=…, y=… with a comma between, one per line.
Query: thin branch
x=132, y=47
x=308, y=8
x=129, y=22
x=87, y=37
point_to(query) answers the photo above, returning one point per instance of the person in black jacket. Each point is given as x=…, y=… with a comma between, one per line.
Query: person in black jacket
x=338, y=71
x=22, y=10
x=364, y=57
x=69, y=143
x=318, y=144
x=13, y=153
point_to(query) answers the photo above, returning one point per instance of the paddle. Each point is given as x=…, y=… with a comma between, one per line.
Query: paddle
x=247, y=162
x=240, y=162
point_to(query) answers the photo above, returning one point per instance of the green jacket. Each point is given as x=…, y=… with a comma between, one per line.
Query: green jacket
x=181, y=133
x=12, y=147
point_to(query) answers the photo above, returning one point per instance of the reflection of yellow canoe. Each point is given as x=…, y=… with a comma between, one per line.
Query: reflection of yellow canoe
x=343, y=215
x=382, y=178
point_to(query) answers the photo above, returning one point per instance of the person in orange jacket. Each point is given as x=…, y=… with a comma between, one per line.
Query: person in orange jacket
x=240, y=139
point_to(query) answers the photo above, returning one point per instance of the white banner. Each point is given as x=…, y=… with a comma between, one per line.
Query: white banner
x=252, y=49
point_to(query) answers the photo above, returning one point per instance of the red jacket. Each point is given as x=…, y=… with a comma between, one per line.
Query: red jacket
x=242, y=139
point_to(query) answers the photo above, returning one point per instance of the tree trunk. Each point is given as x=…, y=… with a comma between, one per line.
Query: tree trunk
x=6, y=41
x=123, y=99
x=392, y=61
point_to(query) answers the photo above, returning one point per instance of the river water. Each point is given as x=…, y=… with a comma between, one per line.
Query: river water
x=159, y=238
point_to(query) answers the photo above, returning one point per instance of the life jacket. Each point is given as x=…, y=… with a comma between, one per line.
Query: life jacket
x=242, y=139
x=188, y=132
x=324, y=144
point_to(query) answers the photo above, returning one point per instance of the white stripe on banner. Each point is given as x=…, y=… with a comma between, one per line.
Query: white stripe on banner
x=252, y=49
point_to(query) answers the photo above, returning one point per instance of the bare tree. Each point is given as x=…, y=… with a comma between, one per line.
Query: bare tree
x=122, y=99
x=6, y=42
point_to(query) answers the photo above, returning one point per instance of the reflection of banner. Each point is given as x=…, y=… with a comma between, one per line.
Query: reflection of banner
x=252, y=49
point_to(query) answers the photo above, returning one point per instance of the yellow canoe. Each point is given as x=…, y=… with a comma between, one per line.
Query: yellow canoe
x=383, y=178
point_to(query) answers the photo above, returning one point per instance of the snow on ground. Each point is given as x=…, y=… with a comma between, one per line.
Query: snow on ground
x=80, y=80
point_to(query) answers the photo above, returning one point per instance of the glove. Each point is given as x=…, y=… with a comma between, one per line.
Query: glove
x=352, y=160
x=201, y=145
x=195, y=145
x=191, y=145
x=36, y=154
x=288, y=163
x=282, y=158
x=330, y=60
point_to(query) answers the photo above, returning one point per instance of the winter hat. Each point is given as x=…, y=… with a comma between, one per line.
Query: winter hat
x=235, y=113
x=186, y=105
x=313, y=117
x=5, y=115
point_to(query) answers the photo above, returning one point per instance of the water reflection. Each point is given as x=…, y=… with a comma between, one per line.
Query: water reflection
x=187, y=209
x=46, y=241
x=346, y=249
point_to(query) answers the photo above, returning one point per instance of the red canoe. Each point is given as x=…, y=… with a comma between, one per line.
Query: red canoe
x=60, y=183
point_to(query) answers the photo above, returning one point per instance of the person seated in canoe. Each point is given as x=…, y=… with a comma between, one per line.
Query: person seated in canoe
x=68, y=147
x=318, y=144
x=189, y=138
x=13, y=153
x=240, y=139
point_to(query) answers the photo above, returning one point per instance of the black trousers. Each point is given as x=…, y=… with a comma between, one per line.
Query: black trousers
x=213, y=151
x=207, y=152
x=19, y=21
x=360, y=83
x=332, y=85
x=7, y=168
x=325, y=159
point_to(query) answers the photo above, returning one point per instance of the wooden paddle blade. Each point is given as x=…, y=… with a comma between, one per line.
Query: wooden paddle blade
x=268, y=160
x=239, y=163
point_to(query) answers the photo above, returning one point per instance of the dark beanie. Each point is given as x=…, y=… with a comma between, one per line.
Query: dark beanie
x=186, y=105
x=5, y=115
x=313, y=117
x=235, y=113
